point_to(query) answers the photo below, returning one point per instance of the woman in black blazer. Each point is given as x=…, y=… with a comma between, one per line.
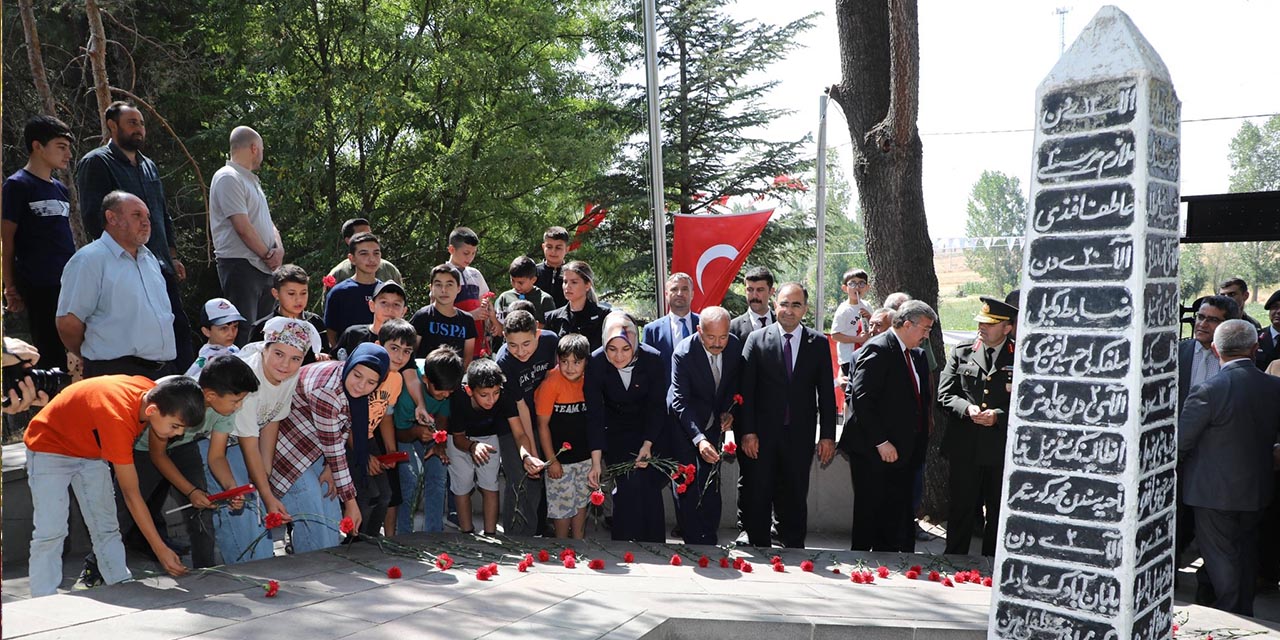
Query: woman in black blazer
x=625, y=390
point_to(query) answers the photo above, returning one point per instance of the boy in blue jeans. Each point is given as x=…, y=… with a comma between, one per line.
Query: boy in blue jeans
x=441, y=376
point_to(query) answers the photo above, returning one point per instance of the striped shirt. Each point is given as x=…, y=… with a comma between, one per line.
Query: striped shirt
x=318, y=423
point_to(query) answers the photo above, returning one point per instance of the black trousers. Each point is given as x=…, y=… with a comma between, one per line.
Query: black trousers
x=970, y=483
x=698, y=511
x=1269, y=537
x=881, y=503
x=777, y=482
x=128, y=366
x=186, y=353
x=42, y=311
x=1229, y=546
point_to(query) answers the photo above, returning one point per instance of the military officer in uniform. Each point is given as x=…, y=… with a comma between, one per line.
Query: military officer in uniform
x=975, y=388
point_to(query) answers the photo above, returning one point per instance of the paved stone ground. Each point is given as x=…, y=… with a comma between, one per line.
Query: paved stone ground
x=346, y=594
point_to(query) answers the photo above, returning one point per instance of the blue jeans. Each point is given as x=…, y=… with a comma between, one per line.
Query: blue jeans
x=235, y=531
x=307, y=498
x=431, y=500
x=48, y=475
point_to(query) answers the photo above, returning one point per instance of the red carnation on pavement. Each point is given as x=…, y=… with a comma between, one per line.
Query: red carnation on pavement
x=912, y=575
x=775, y=560
x=868, y=577
x=483, y=573
x=570, y=562
x=934, y=576
x=271, y=588
x=916, y=568
x=682, y=488
x=628, y=557
x=528, y=557
x=806, y=566
x=836, y=571
x=738, y=562
x=565, y=446
x=493, y=568
x=568, y=552
x=962, y=577
x=597, y=498
x=523, y=566
x=675, y=560
x=596, y=563
x=724, y=563
x=704, y=562
x=779, y=567
x=440, y=436
x=329, y=281
x=444, y=561
x=544, y=556
x=746, y=567
x=882, y=571
x=273, y=520
x=986, y=582
x=856, y=577
x=347, y=525
x=394, y=573
x=730, y=448
x=946, y=582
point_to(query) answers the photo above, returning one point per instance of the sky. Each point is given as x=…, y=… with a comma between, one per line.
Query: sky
x=980, y=64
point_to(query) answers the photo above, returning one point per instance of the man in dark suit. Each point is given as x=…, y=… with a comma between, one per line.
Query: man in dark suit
x=1237, y=289
x=787, y=390
x=887, y=433
x=975, y=388
x=1197, y=363
x=704, y=378
x=666, y=332
x=758, y=314
x=1269, y=337
x=1227, y=437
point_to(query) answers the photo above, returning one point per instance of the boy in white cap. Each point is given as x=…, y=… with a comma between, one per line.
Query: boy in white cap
x=220, y=324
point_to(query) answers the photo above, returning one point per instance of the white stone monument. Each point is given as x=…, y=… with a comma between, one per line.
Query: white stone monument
x=1086, y=535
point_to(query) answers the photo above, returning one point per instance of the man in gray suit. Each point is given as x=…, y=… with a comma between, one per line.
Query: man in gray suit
x=1227, y=437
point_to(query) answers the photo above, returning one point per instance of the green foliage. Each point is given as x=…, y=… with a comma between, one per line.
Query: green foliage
x=1192, y=272
x=996, y=208
x=1255, y=166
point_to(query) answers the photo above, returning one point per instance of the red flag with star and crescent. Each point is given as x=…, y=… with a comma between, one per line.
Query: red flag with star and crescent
x=712, y=248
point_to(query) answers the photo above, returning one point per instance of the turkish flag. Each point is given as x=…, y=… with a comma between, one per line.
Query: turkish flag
x=712, y=248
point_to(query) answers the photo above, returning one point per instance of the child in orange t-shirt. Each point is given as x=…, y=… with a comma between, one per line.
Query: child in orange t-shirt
x=562, y=427
x=70, y=442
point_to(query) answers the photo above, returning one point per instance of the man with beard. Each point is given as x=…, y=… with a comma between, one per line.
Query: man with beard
x=120, y=165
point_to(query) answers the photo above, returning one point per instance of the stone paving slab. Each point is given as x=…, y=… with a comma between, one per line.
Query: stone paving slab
x=346, y=593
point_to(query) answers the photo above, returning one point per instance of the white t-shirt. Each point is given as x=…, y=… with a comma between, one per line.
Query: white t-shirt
x=269, y=403
x=235, y=190
x=846, y=322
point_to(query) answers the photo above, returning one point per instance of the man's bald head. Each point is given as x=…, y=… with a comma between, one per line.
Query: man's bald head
x=246, y=147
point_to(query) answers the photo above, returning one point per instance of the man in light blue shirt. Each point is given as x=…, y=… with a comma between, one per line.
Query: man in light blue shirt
x=114, y=309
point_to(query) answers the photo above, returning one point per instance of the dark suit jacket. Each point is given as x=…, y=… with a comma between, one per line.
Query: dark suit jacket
x=1186, y=351
x=969, y=379
x=624, y=416
x=884, y=401
x=767, y=394
x=743, y=325
x=1226, y=433
x=693, y=397
x=657, y=334
x=1267, y=350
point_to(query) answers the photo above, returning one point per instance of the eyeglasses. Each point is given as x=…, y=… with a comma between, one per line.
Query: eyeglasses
x=856, y=283
x=1200, y=317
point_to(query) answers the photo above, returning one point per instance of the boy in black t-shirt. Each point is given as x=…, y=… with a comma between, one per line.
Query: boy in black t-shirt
x=525, y=360
x=389, y=301
x=289, y=288
x=36, y=232
x=475, y=420
x=440, y=323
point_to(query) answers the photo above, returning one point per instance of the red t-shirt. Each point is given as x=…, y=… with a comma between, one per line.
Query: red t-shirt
x=95, y=418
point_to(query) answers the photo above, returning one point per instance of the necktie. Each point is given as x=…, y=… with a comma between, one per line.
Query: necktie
x=911, y=369
x=762, y=321
x=715, y=370
x=990, y=355
x=684, y=328
x=786, y=358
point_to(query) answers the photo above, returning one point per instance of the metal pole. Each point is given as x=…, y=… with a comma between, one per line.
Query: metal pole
x=655, y=156
x=819, y=290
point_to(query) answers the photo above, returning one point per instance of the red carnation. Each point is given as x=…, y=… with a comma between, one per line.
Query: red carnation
x=916, y=568
x=779, y=567
x=483, y=573
x=394, y=573
x=738, y=562
x=912, y=575
x=836, y=571
x=597, y=498
x=444, y=561
x=682, y=488
x=962, y=577
x=806, y=566
x=704, y=562
x=523, y=566
x=347, y=525
x=273, y=520
x=543, y=556
x=934, y=576
x=568, y=553
x=675, y=560
x=1175, y=628
x=775, y=560
x=746, y=567
x=329, y=281
x=272, y=588
x=724, y=563
x=675, y=475
x=882, y=571
x=946, y=582
x=596, y=563
x=565, y=446
x=737, y=398
x=628, y=557
x=690, y=472
x=986, y=582
x=730, y=448
x=528, y=557
x=868, y=577
x=856, y=577
x=493, y=567
x=440, y=436
x=570, y=562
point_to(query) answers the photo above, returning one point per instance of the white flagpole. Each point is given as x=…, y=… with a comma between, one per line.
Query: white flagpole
x=655, y=155
x=819, y=290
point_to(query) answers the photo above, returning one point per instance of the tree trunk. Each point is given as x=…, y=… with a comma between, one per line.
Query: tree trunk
x=879, y=95
x=35, y=59
x=98, y=62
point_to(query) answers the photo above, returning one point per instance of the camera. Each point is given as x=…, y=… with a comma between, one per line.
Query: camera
x=50, y=381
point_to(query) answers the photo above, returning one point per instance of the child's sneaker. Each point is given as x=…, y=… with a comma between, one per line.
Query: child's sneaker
x=89, y=578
